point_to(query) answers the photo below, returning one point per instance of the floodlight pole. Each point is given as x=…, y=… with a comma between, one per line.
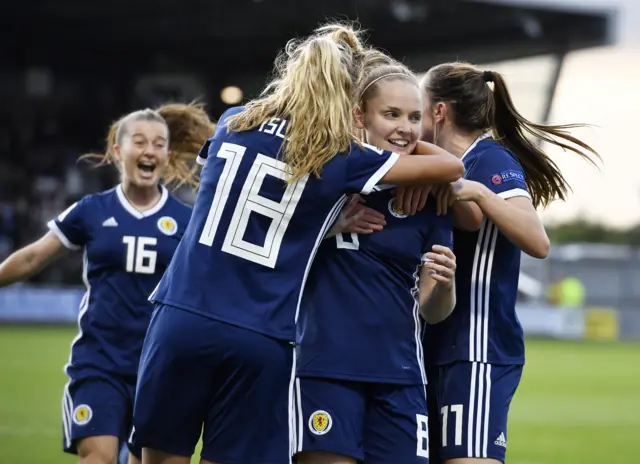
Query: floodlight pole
x=551, y=90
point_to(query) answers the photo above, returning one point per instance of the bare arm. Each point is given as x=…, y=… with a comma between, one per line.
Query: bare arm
x=437, y=285
x=357, y=218
x=32, y=259
x=410, y=199
x=467, y=216
x=515, y=217
x=425, y=169
x=518, y=220
x=436, y=300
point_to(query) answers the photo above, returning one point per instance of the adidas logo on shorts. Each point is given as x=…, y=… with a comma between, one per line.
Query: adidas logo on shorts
x=501, y=441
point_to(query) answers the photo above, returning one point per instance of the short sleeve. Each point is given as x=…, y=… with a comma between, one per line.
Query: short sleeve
x=366, y=166
x=70, y=225
x=501, y=172
x=221, y=127
x=204, y=153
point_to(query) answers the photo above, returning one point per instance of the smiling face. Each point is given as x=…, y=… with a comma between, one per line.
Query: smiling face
x=392, y=117
x=142, y=152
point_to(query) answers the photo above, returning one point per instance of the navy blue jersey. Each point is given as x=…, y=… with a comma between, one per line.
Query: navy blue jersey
x=125, y=254
x=484, y=326
x=360, y=315
x=252, y=236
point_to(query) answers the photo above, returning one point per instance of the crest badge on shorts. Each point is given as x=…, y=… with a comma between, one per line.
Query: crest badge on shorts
x=320, y=422
x=167, y=225
x=396, y=212
x=82, y=414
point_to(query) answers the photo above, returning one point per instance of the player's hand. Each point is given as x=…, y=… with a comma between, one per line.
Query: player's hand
x=468, y=190
x=410, y=199
x=445, y=197
x=441, y=263
x=357, y=218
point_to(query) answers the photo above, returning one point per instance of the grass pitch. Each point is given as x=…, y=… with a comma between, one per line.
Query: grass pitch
x=577, y=403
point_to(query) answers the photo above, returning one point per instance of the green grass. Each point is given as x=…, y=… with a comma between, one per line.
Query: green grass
x=577, y=403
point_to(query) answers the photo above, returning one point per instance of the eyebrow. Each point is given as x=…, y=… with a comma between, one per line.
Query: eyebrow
x=137, y=134
x=395, y=108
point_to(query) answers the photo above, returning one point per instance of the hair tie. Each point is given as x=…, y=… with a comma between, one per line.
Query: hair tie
x=487, y=76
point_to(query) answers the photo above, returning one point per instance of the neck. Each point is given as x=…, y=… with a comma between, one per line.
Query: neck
x=141, y=198
x=457, y=143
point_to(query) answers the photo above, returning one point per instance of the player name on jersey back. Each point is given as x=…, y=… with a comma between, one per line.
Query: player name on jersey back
x=252, y=237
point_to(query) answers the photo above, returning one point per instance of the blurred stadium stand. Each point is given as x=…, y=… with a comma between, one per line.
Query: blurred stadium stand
x=73, y=67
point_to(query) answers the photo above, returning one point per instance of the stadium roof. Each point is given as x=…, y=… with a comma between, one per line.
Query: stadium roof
x=244, y=35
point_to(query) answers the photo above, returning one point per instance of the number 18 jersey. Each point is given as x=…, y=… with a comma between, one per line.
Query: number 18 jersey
x=252, y=237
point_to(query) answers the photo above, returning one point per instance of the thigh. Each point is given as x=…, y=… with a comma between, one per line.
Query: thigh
x=250, y=413
x=174, y=385
x=93, y=406
x=474, y=401
x=396, y=425
x=330, y=416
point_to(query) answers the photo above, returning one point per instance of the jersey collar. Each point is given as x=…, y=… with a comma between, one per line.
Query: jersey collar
x=486, y=135
x=141, y=214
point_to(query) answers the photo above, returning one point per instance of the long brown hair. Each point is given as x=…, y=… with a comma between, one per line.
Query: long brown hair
x=189, y=128
x=476, y=107
x=314, y=89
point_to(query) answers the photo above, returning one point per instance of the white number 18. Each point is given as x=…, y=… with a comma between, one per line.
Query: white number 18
x=250, y=201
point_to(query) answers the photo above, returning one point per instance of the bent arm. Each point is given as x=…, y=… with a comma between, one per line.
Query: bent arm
x=424, y=169
x=32, y=259
x=467, y=216
x=437, y=300
x=518, y=220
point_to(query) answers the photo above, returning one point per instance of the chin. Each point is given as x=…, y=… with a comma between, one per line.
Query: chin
x=146, y=183
x=396, y=149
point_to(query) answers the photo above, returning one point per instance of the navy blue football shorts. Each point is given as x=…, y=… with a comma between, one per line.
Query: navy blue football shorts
x=96, y=403
x=232, y=384
x=469, y=404
x=370, y=422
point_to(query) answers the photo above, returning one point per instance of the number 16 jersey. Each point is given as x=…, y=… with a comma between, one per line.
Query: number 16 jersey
x=252, y=237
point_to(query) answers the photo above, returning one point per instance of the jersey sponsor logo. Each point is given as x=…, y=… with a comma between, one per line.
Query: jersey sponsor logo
x=167, y=225
x=320, y=422
x=111, y=222
x=82, y=414
x=501, y=440
x=396, y=212
x=506, y=176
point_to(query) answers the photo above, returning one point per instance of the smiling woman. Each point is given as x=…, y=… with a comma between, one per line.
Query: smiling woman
x=149, y=145
x=128, y=235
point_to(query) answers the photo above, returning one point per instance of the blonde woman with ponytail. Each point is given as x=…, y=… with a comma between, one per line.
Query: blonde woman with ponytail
x=219, y=353
x=128, y=235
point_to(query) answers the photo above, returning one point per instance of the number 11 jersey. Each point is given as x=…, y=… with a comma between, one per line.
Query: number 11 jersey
x=252, y=237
